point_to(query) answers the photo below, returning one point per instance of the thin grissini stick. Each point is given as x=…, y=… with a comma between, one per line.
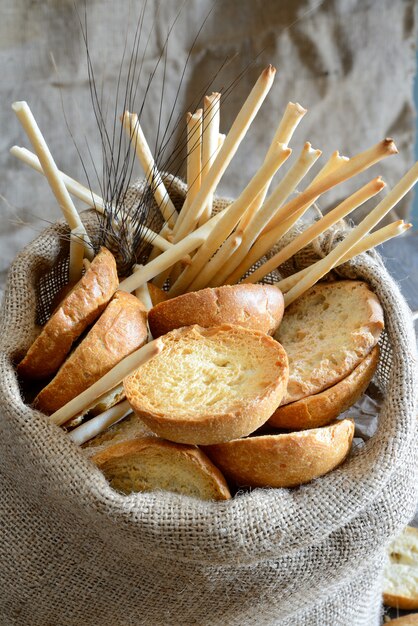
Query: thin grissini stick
x=52, y=172
x=221, y=140
x=211, y=121
x=76, y=254
x=367, y=243
x=114, y=377
x=352, y=167
x=170, y=257
x=86, y=264
x=293, y=210
x=369, y=222
x=132, y=126
x=194, y=166
x=287, y=126
x=312, y=232
x=142, y=292
x=217, y=262
x=267, y=240
x=232, y=141
x=83, y=193
x=287, y=185
x=100, y=423
x=230, y=218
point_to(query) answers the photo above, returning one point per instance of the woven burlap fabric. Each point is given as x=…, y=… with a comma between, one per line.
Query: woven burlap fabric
x=72, y=551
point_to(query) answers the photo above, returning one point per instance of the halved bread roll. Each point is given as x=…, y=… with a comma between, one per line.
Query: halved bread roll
x=209, y=385
x=324, y=407
x=78, y=309
x=151, y=463
x=327, y=333
x=284, y=460
x=121, y=329
x=400, y=587
x=258, y=307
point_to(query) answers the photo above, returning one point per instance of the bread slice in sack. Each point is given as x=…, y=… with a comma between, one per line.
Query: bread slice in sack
x=327, y=333
x=324, y=407
x=259, y=307
x=283, y=460
x=121, y=329
x=150, y=463
x=127, y=429
x=79, y=308
x=209, y=385
x=400, y=586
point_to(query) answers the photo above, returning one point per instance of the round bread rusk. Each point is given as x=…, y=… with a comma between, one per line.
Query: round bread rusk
x=150, y=463
x=400, y=578
x=78, y=310
x=284, y=460
x=258, y=307
x=327, y=333
x=209, y=385
x=406, y=620
x=324, y=407
x=121, y=329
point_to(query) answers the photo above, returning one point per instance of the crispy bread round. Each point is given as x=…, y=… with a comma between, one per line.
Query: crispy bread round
x=121, y=329
x=400, y=586
x=209, y=385
x=284, y=460
x=406, y=620
x=79, y=308
x=327, y=333
x=258, y=307
x=151, y=463
x=326, y=406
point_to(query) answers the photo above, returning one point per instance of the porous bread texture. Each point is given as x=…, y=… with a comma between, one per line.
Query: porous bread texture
x=258, y=307
x=150, y=463
x=209, y=385
x=324, y=407
x=78, y=310
x=400, y=586
x=121, y=329
x=127, y=429
x=284, y=460
x=111, y=398
x=327, y=333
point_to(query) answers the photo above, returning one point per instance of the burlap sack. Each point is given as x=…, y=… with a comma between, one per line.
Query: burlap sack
x=74, y=552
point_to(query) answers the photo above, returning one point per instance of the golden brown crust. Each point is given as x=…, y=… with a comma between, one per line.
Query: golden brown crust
x=157, y=295
x=284, y=460
x=121, y=329
x=80, y=308
x=236, y=418
x=258, y=307
x=406, y=620
x=203, y=478
x=326, y=333
x=400, y=602
x=326, y=406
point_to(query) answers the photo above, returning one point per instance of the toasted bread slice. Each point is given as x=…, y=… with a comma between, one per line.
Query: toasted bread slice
x=151, y=463
x=157, y=295
x=79, y=309
x=406, y=620
x=284, y=460
x=400, y=587
x=121, y=329
x=127, y=429
x=258, y=307
x=209, y=385
x=327, y=333
x=326, y=406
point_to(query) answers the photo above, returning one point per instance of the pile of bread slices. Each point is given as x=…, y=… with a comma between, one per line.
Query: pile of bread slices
x=235, y=392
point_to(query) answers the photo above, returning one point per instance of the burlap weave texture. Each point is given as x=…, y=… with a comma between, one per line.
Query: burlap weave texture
x=72, y=551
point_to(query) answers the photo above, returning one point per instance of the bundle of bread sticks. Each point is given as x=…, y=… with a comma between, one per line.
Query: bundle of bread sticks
x=204, y=352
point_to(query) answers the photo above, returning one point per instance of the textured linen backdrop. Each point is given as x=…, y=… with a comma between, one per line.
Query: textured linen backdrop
x=350, y=62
